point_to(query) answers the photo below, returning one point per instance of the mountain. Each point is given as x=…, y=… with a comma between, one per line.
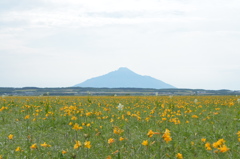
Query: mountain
x=124, y=78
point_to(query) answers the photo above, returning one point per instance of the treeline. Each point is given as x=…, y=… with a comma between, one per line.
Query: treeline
x=83, y=91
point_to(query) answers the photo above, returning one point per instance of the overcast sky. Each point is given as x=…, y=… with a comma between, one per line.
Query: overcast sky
x=60, y=43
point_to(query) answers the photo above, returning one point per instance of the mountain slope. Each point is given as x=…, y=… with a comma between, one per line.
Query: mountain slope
x=123, y=77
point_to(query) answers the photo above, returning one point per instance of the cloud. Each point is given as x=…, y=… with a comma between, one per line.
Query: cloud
x=187, y=40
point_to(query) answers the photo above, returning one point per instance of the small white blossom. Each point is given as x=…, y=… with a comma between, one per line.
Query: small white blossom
x=120, y=106
x=238, y=100
x=195, y=101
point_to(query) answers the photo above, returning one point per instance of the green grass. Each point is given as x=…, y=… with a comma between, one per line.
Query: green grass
x=51, y=120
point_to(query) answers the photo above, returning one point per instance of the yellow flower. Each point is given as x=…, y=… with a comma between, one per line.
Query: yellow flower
x=77, y=127
x=10, y=137
x=108, y=157
x=34, y=146
x=111, y=140
x=18, y=149
x=179, y=156
x=77, y=144
x=203, y=139
x=45, y=145
x=238, y=133
x=208, y=146
x=194, y=116
x=145, y=143
x=121, y=139
x=117, y=130
x=87, y=144
x=74, y=118
x=223, y=148
x=27, y=117
x=166, y=136
x=64, y=152
x=218, y=143
x=150, y=133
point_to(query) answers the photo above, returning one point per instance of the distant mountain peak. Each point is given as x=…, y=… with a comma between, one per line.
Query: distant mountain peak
x=123, y=69
x=124, y=78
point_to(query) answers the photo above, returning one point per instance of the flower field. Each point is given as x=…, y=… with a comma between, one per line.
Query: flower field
x=127, y=127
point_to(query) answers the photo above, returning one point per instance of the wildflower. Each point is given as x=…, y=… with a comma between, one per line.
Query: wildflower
x=223, y=148
x=166, y=136
x=150, y=133
x=203, y=139
x=195, y=101
x=74, y=118
x=208, y=146
x=64, y=152
x=10, y=137
x=194, y=116
x=179, y=156
x=145, y=143
x=34, y=146
x=121, y=139
x=238, y=133
x=192, y=143
x=108, y=157
x=27, y=117
x=88, y=113
x=218, y=143
x=18, y=149
x=163, y=119
x=45, y=145
x=77, y=144
x=117, y=130
x=111, y=140
x=120, y=106
x=77, y=127
x=87, y=144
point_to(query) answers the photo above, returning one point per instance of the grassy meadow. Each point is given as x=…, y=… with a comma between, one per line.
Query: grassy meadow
x=126, y=127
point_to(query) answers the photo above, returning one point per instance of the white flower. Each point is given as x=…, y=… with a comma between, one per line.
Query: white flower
x=238, y=100
x=195, y=101
x=120, y=106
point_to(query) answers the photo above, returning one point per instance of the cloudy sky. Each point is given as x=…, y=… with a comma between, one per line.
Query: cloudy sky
x=60, y=43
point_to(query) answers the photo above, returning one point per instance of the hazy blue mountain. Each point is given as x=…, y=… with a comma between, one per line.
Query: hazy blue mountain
x=122, y=78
